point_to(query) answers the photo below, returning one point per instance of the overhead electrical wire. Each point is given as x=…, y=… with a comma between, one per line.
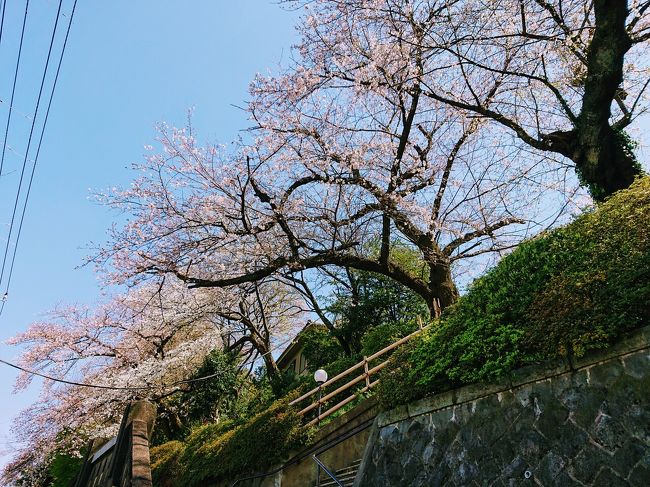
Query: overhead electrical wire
x=13, y=90
x=131, y=388
x=2, y=21
x=81, y=384
x=18, y=112
x=29, y=142
x=10, y=364
x=38, y=150
x=35, y=160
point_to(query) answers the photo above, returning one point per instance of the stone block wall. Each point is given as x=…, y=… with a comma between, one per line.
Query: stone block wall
x=585, y=423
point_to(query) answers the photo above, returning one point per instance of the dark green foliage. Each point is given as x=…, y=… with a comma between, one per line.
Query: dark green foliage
x=231, y=396
x=207, y=400
x=223, y=451
x=383, y=335
x=377, y=300
x=228, y=395
x=63, y=470
x=319, y=347
x=572, y=290
x=256, y=396
x=341, y=364
x=398, y=384
x=628, y=147
x=368, y=300
x=287, y=382
x=164, y=463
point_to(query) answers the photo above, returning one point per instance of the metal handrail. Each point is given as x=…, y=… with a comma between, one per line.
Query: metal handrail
x=316, y=449
x=327, y=471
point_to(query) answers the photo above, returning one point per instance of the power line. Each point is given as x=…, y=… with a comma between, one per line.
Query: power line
x=2, y=22
x=38, y=150
x=79, y=384
x=13, y=90
x=132, y=388
x=22, y=114
x=29, y=143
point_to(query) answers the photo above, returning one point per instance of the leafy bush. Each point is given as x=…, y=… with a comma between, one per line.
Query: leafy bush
x=164, y=463
x=383, y=335
x=230, y=395
x=225, y=450
x=397, y=383
x=319, y=347
x=209, y=399
x=368, y=299
x=63, y=469
x=574, y=289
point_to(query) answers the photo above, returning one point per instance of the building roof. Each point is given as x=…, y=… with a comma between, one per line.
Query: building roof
x=288, y=353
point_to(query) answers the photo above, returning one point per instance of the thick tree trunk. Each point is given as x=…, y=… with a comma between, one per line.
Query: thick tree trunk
x=601, y=157
x=170, y=423
x=441, y=286
x=271, y=367
x=262, y=348
x=345, y=344
x=602, y=160
x=272, y=371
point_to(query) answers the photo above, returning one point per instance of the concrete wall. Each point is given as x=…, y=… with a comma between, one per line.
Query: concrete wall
x=339, y=456
x=585, y=423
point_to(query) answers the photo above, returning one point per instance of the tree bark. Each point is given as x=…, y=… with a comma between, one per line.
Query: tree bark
x=603, y=162
x=601, y=157
x=441, y=285
x=170, y=422
x=262, y=348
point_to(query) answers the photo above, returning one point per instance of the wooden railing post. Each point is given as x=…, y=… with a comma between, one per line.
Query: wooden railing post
x=365, y=371
x=437, y=309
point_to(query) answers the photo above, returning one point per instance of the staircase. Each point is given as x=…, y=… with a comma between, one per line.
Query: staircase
x=345, y=475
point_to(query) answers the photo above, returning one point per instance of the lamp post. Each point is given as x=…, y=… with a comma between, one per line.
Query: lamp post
x=320, y=376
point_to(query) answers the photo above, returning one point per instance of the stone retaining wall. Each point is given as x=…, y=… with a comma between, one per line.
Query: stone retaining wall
x=585, y=423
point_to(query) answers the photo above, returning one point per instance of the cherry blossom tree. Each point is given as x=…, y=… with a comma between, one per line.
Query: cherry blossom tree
x=572, y=73
x=144, y=344
x=575, y=76
x=131, y=347
x=349, y=147
x=258, y=319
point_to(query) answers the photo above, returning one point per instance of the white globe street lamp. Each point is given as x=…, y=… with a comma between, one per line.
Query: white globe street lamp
x=320, y=376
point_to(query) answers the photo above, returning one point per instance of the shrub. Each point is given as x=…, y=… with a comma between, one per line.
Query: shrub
x=225, y=450
x=383, y=335
x=367, y=299
x=209, y=399
x=397, y=383
x=319, y=347
x=63, y=469
x=164, y=463
x=574, y=289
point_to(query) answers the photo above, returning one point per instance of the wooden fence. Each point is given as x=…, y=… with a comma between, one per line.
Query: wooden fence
x=366, y=376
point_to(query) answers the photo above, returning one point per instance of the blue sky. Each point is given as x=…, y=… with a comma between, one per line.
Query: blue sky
x=128, y=65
